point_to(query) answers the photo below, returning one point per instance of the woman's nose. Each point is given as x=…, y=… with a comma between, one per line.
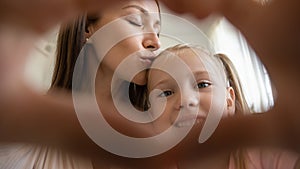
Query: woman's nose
x=151, y=41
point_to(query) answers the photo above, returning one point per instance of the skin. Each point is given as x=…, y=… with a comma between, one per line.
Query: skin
x=43, y=118
x=190, y=99
x=271, y=46
x=193, y=101
x=135, y=17
x=278, y=49
x=142, y=18
x=30, y=15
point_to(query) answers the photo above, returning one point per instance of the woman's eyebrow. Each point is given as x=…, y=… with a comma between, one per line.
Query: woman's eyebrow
x=144, y=11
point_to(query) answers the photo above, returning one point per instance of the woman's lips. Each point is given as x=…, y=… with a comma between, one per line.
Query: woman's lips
x=147, y=58
x=146, y=61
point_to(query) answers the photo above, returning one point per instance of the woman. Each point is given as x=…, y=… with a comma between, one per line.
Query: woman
x=72, y=37
x=141, y=17
x=14, y=96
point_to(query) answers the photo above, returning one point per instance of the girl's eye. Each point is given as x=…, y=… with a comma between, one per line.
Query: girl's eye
x=135, y=20
x=203, y=85
x=166, y=93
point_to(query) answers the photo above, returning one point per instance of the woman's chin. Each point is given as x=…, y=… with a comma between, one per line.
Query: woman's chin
x=140, y=78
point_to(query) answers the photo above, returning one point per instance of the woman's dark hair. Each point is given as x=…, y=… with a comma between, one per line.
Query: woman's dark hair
x=70, y=40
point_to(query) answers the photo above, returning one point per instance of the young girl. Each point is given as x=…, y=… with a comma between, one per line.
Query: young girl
x=187, y=95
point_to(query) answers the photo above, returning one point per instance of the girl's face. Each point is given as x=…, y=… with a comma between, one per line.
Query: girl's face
x=138, y=26
x=195, y=95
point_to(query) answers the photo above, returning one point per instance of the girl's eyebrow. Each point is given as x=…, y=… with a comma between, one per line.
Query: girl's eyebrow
x=196, y=74
x=160, y=82
x=200, y=73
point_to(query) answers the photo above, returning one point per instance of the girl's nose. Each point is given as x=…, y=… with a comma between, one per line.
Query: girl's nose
x=189, y=100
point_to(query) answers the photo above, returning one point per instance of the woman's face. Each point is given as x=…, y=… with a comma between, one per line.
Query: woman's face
x=193, y=100
x=135, y=35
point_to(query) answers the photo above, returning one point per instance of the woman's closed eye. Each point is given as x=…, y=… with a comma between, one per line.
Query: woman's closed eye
x=166, y=93
x=135, y=20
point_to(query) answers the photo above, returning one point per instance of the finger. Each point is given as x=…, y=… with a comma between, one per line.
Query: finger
x=199, y=8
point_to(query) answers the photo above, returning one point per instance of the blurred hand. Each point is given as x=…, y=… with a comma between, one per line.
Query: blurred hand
x=41, y=15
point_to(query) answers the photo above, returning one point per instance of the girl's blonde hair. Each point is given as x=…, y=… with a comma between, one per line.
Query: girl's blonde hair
x=231, y=76
x=222, y=62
